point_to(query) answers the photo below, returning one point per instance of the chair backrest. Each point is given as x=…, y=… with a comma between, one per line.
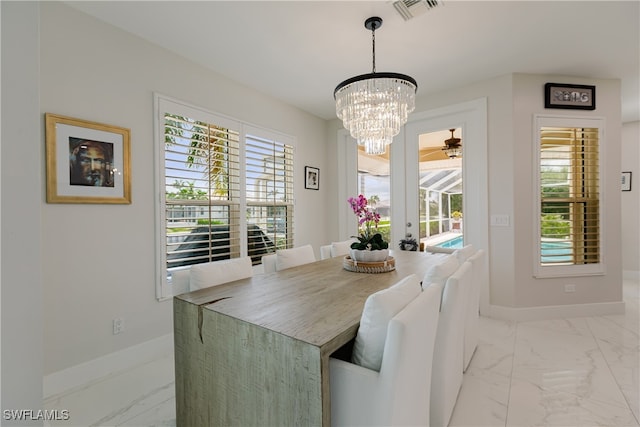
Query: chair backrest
x=336, y=249
x=269, y=263
x=218, y=272
x=439, y=250
x=473, y=305
x=341, y=248
x=180, y=281
x=325, y=251
x=406, y=370
x=441, y=271
x=379, y=308
x=481, y=278
x=449, y=348
x=399, y=393
x=465, y=252
x=288, y=258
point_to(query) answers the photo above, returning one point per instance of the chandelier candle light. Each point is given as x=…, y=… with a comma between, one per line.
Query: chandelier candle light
x=374, y=106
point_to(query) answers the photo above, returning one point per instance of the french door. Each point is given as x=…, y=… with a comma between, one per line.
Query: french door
x=470, y=121
x=403, y=207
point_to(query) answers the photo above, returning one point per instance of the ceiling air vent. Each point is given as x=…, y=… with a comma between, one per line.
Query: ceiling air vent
x=411, y=8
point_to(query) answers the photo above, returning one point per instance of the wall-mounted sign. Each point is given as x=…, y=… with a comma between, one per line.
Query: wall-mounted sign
x=574, y=97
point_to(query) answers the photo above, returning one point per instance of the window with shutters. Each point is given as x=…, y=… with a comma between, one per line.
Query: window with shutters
x=568, y=188
x=225, y=189
x=269, y=189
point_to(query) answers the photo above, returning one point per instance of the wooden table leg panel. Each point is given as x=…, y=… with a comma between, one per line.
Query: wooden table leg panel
x=261, y=377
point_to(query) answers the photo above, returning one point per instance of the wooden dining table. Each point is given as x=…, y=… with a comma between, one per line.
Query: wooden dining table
x=255, y=352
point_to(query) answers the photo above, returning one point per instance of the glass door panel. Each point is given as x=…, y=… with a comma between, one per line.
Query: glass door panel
x=439, y=191
x=374, y=182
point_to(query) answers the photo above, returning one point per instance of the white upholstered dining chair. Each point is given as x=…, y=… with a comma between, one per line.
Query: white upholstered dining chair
x=269, y=263
x=293, y=257
x=398, y=394
x=336, y=249
x=446, y=380
x=218, y=272
x=288, y=258
x=471, y=326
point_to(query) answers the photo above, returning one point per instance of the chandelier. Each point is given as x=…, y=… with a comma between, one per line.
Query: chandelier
x=452, y=146
x=374, y=106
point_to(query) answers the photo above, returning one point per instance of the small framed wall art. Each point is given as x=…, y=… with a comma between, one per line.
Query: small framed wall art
x=311, y=178
x=87, y=162
x=574, y=97
x=626, y=181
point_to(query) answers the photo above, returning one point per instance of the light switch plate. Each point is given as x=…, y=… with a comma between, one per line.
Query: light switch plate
x=500, y=220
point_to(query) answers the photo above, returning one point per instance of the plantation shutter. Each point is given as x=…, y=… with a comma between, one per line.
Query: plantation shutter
x=569, y=196
x=202, y=183
x=269, y=189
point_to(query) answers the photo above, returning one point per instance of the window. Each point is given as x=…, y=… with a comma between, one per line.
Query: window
x=569, y=229
x=374, y=182
x=269, y=191
x=201, y=198
x=225, y=189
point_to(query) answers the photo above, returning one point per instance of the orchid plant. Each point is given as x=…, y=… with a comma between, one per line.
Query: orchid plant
x=368, y=219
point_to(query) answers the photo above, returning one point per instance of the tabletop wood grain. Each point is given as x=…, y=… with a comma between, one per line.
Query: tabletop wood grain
x=316, y=303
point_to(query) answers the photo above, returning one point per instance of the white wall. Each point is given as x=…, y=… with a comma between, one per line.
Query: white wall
x=22, y=195
x=513, y=101
x=100, y=260
x=498, y=92
x=631, y=200
x=529, y=100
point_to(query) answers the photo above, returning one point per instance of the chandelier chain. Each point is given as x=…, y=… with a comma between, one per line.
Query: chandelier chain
x=373, y=44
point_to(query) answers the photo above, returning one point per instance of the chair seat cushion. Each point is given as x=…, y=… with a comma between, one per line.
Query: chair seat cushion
x=379, y=309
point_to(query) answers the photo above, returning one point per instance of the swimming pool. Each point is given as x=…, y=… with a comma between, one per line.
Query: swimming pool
x=551, y=251
x=455, y=243
x=556, y=252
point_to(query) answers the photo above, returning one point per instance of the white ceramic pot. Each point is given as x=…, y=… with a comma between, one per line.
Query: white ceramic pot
x=369, y=256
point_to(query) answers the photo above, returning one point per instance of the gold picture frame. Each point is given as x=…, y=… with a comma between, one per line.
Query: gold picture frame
x=87, y=162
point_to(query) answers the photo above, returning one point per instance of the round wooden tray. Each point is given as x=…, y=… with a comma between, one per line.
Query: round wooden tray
x=369, y=267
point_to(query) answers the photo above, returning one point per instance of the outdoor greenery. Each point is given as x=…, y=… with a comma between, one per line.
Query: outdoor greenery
x=553, y=226
x=456, y=202
x=208, y=149
x=384, y=228
x=554, y=187
x=186, y=191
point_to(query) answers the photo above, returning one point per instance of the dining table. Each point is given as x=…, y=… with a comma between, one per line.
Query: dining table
x=255, y=351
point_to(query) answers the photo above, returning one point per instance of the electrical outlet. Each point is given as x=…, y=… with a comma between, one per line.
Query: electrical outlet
x=569, y=288
x=118, y=326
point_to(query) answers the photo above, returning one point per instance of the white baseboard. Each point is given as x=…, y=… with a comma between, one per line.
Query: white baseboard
x=525, y=314
x=631, y=275
x=79, y=375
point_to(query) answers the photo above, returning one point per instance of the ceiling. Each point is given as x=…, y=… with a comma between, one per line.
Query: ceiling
x=298, y=51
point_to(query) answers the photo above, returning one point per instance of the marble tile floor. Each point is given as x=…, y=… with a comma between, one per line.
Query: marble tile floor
x=565, y=373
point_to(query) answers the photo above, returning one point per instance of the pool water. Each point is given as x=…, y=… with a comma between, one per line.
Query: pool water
x=556, y=252
x=455, y=243
x=551, y=251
